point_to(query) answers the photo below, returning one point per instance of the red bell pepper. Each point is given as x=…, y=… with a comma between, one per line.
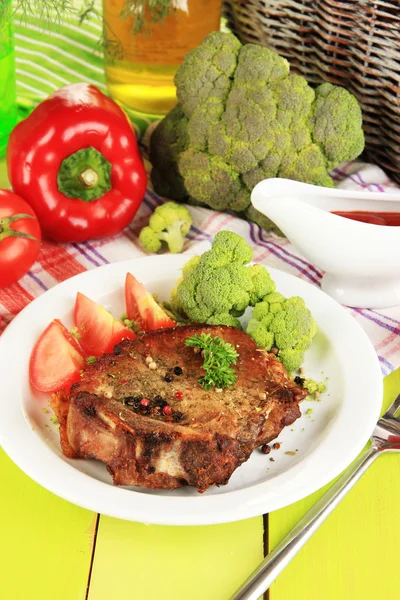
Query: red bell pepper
x=75, y=160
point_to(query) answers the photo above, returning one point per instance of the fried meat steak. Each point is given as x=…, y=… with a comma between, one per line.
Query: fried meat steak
x=158, y=427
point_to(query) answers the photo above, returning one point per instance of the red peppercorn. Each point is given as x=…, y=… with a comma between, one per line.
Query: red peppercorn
x=144, y=402
x=179, y=395
x=167, y=410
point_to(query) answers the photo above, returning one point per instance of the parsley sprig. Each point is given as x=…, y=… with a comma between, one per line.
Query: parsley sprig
x=218, y=356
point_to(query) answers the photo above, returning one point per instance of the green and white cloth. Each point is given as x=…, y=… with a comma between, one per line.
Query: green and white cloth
x=49, y=56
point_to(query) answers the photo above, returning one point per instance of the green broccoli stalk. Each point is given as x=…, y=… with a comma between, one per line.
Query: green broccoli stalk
x=169, y=223
x=217, y=287
x=283, y=324
x=243, y=117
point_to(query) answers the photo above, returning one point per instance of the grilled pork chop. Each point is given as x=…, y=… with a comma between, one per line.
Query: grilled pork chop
x=158, y=427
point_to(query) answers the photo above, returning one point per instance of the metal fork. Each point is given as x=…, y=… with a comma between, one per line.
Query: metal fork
x=385, y=438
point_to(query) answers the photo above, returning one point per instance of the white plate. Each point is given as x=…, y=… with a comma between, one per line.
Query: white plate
x=325, y=442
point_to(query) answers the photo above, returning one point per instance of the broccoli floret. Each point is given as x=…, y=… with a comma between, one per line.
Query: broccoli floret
x=224, y=319
x=337, y=124
x=243, y=117
x=169, y=223
x=285, y=324
x=217, y=287
x=262, y=283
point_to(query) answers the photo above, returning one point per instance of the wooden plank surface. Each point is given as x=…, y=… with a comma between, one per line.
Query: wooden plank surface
x=152, y=562
x=46, y=543
x=354, y=555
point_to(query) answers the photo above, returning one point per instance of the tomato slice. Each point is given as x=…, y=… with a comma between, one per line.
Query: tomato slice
x=142, y=308
x=56, y=359
x=119, y=333
x=98, y=329
x=94, y=323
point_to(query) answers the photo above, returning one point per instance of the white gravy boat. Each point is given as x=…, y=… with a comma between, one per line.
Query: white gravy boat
x=361, y=261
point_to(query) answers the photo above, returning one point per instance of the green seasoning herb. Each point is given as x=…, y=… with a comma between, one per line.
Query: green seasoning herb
x=91, y=360
x=75, y=333
x=218, y=357
x=144, y=12
x=155, y=10
x=50, y=11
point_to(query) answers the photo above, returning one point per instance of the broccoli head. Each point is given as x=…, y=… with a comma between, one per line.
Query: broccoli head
x=169, y=223
x=217, y=287
x=169, y=139
x=243, y=117
x=285, y=324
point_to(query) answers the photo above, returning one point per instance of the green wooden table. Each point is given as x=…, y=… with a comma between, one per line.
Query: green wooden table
x=53, y=550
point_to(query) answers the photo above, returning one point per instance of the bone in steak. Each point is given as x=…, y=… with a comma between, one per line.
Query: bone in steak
x=159, y=428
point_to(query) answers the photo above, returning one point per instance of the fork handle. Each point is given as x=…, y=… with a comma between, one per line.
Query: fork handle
x=273, y=564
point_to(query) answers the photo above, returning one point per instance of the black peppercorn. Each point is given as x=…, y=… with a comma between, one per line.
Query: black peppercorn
x=178, y=371
x=265, y=449
x=133, y=401
x=117, y=350
x=299, y=380
x=178, y=416
x=168, y=378
x=159, y=401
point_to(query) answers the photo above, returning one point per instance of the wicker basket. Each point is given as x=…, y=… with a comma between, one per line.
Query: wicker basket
x=354, y=43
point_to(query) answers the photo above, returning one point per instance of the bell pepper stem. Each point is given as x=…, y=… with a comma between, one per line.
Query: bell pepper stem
x=89, y=178
x=85, y=175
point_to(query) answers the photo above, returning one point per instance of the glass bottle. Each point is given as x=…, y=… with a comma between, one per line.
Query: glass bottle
x=140, y=67
x=8, y=108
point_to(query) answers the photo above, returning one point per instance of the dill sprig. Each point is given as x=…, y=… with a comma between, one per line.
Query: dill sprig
x=146, y=12
x=50, y=11
x=218, y=356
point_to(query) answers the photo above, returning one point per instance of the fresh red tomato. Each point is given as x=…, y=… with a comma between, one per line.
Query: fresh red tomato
x=56, y=359
x=19, y=237
x=142, y=308
x=98, y=330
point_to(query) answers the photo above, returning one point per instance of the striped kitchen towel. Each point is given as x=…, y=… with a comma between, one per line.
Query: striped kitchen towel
x=46, y=61
x=50, y=56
